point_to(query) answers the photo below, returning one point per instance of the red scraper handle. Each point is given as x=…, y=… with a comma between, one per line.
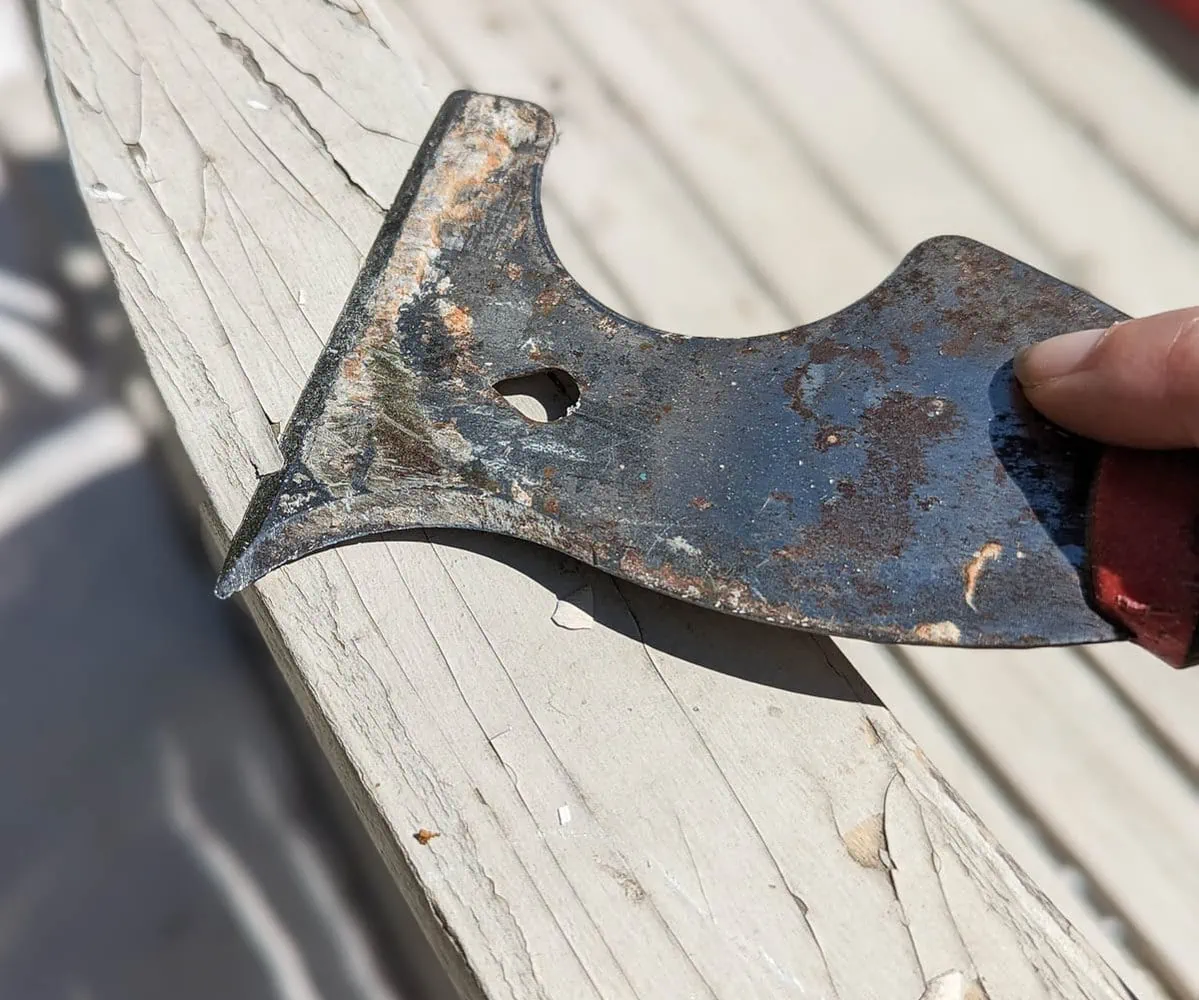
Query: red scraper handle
x=1143, y=547
x=1188, y=10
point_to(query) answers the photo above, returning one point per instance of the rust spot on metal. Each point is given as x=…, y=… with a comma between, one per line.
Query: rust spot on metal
x=701, y=503
x=903, y=353
x=793, y=386
x=717, y=592
x=827, y=350
x=972, y=571
x=514, y=271
x=549, y=299
x=549, y=472
x=958, y=345
x=927, y=503
x=831, y=437
x=875, y=516
x=423, y=836
x=551, y=507
x=781, y=496
x=457, y=321
x=977, y=316
x=822, y=352
x=868, y=588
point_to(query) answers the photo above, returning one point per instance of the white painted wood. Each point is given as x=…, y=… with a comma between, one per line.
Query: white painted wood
x=1167, y=700
x=116, y=656
x=865, y=139
x=711, y=133
x=1012, y=823
x=1038, y=162
x=743, y=821
x=1083, y=59
x=604, y=178
x=1110, y=796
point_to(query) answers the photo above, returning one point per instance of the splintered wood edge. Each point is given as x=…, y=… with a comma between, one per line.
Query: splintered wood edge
x=610, y=817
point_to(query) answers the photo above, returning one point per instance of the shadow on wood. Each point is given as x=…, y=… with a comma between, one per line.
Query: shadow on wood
x=726, y=643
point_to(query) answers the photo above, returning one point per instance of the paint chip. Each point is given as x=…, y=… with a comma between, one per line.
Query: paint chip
x=575, y=610
x=680, y=544
x=521, y=496
x=257, y=106
x=563, y=815
x=865, y=842
x=947, y=986
x=938, y=633
x=973, y=570
x=102, y=192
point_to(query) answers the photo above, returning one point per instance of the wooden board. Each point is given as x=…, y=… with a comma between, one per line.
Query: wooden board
x=1070, y=769
x=670, y=802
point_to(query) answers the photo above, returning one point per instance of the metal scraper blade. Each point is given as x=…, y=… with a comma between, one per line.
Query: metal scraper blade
x=876, y=474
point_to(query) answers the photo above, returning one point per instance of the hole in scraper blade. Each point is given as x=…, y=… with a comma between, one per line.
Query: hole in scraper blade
x=544, y=396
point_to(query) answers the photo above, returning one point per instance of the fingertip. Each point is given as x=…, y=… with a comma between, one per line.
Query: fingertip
x=1134, y=384
x=1056, y=357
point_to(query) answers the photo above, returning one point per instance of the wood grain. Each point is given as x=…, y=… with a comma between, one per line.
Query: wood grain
x=744, y=818
x=1068, y=768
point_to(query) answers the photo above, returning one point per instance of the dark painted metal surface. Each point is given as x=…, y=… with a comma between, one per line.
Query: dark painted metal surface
x=875, y=474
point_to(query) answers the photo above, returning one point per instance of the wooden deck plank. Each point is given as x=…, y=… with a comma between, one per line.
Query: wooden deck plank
x=1109, y=237
x=433, y=671
x=1111, y=797
x=866, y=139
x=1137, y=110
x=604, y=178
x=1168, y=702
x=1011, y=821
x=710, y=132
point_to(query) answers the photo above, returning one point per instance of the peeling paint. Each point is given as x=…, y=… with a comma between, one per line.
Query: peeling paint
x=972, y=571
x=940, y=633
x=866, y=842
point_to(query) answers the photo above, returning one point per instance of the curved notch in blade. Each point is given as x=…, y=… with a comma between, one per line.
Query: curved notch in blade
x=876, y=474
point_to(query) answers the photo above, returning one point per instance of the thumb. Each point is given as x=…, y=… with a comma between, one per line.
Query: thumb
x=1134, y=384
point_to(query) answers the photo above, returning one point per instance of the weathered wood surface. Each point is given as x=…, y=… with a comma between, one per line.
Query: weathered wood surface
x=669, y=802
x=158, y=832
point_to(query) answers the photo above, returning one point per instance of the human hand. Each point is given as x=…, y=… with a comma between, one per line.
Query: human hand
x=1134, y=384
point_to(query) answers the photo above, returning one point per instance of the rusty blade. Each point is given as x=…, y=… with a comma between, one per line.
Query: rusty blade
x=876, y=474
